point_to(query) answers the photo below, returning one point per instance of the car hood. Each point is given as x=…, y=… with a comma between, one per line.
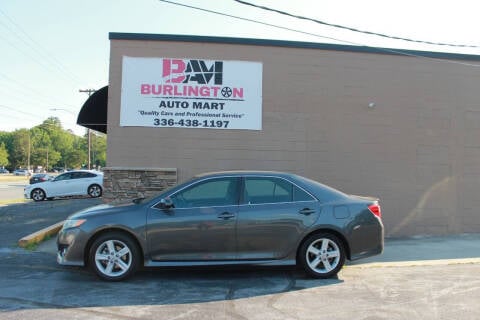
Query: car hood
x=101, y=209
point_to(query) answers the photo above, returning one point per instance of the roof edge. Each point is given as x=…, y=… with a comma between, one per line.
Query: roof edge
x=289, y=44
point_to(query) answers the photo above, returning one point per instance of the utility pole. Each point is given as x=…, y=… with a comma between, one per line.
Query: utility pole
x=89, y=92
x=28, y=154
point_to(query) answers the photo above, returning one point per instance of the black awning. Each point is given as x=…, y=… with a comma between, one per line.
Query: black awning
x=94, y=111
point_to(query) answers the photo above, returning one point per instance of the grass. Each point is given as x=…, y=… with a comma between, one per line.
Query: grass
x=12, y=178
x=12, y=201
x=6, y=178
x=32, y=246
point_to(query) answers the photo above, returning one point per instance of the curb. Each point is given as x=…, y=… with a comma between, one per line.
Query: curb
x=40, y=235
x=414, y=263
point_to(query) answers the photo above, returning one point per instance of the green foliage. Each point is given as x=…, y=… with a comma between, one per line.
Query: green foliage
x=18, y=154
x=99, y=149
x=49, y=145
x=3, y=155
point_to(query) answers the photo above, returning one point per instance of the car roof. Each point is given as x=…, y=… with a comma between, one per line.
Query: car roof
x=92, y=171
x=245, y=173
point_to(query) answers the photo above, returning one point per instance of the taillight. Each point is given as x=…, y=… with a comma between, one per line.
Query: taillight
x=376, y=210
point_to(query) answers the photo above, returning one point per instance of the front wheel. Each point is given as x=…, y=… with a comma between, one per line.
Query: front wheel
x=94, y=191
x=114, y=256
x=37, y=195
x=322, y=255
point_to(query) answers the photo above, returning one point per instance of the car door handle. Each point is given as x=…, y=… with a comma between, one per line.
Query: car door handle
x=226, y=215
x=306, y=211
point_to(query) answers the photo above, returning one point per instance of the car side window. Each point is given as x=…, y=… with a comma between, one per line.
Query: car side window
x=209, y=193
x=65, y=176
x=301, y=195
x=82, y=175
x=76, y=175
x=267, y=190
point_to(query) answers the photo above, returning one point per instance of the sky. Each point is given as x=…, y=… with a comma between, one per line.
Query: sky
x=51, y=49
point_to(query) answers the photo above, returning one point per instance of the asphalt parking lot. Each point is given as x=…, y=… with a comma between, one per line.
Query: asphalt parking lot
x=425, y=278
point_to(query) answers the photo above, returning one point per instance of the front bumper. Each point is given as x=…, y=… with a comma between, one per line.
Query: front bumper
x=70, y=247
x=64, y=262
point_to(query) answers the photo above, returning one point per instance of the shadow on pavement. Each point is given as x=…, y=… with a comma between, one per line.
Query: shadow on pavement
x=465, y=246
x=73, y=287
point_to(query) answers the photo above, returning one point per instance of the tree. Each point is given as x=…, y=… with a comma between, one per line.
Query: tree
x=99, y=149
x=3, y=155
x=19, y=155
x=7, y=139
x=49, y=145
x=74, y=159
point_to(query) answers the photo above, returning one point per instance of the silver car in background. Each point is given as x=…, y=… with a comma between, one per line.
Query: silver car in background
x=226, y=218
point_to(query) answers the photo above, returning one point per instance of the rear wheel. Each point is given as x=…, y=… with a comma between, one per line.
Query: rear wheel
x=94, y=191
x=114, y=256
x=37, y=194
x=322, y=255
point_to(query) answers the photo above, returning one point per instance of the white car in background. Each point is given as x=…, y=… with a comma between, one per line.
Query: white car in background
x=21, y=172
x=71, y=183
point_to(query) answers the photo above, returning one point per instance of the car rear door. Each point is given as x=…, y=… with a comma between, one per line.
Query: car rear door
x=201, y=224
x=274, y=214
x=81, y=182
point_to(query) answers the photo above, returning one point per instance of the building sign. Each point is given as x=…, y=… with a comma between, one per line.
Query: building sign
x=191, y=93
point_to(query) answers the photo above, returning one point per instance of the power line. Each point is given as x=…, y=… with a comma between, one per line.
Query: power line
x=35, y=46
x=19, y=111
x=397, y=52
x=355, y=29
x=254, y=21
x=32, y=90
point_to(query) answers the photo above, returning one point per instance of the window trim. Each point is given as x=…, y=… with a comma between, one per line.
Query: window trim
x=241, y=200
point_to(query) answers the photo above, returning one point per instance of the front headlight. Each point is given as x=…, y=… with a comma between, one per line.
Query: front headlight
x=73, y=223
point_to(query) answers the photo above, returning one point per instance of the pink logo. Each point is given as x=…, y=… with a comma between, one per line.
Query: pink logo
x=189, y=71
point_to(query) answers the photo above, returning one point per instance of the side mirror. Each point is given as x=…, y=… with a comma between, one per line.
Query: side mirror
x=166, y=203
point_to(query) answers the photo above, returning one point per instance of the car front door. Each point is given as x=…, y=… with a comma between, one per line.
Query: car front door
x=273, y=216
x=200, y=225
x=60, y=186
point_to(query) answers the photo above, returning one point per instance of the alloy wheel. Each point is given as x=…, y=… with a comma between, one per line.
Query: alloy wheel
x=113, y=258
x=323, y=255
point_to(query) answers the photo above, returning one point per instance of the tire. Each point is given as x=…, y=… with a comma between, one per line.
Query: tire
x=37, y=194
x=322, y=255
x=114, y=256
x=94, y=191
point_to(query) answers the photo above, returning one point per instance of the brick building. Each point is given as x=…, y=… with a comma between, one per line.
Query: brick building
x=403, y=125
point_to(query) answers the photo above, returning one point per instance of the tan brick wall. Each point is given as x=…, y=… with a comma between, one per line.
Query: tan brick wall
x=418, y=149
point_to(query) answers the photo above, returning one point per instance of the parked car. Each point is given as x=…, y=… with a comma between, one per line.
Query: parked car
x=40, y=177
x=3, y=170
x=254, y=218
x=21, y=172
x=72, y=183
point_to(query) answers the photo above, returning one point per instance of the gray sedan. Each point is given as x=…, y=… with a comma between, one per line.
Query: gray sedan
x=226, y=218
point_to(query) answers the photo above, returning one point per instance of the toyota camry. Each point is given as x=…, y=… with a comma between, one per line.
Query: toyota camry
x=226, y=218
